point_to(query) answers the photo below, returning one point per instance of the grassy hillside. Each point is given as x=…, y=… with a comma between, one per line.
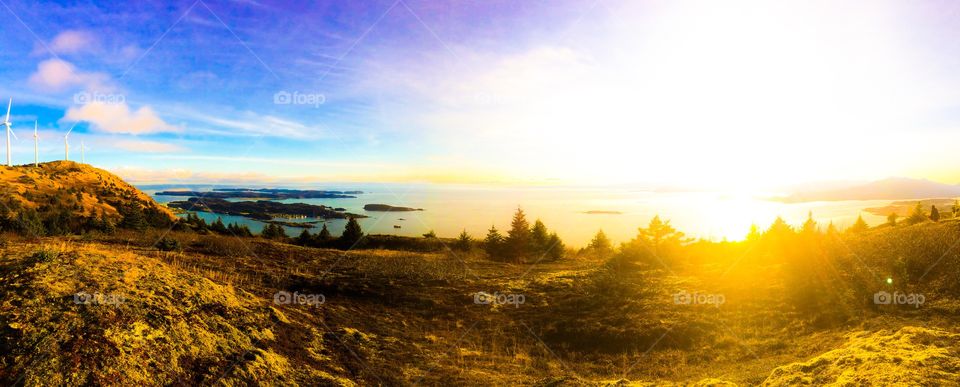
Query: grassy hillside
x=61, y=197
x=117, y=307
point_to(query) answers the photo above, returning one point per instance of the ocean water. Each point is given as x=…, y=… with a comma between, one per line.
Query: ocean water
x=448, y=209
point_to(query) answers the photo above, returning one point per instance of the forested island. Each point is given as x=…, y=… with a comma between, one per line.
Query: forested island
x=260, y=209
x=389, y=208
x=265, y=193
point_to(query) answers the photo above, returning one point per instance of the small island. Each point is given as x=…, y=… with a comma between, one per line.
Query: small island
x=602, y=212
x=261, y=209
x=388, y=208
x=266, y=193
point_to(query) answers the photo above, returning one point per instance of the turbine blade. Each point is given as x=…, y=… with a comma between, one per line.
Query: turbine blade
x=13, y=133
x=9, y=103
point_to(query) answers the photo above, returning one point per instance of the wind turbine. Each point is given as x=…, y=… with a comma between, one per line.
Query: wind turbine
x=83, y=157
x=36, y=146
x=66, y=145
x=7, y=124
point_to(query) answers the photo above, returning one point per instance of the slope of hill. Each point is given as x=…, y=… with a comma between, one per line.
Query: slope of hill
x=63, y=196
x=110, y=308
x=909, y=356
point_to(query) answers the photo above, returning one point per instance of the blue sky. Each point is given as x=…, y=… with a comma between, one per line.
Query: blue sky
x=488, y=91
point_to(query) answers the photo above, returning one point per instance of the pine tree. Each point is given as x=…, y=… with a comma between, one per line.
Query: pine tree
x=324, y=234
x=463, y=242
x=555, y=248
x=600, y=243
x=892, y=219
x=133, y=218
x=539, y=238
x=304, y=239
x=810, y=226
x=917, y=216
x=934, y=214
x=659, y=234
x=493, y=244
x=859, y=226
x=351, y=235
x=218, y=227
x=518, y=238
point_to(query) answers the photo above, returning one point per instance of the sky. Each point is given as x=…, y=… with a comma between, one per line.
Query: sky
x=739, y=95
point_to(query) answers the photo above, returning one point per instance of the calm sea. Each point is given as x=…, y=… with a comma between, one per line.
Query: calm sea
x=448, y=209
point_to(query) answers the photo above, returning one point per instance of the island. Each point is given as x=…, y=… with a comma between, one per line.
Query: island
x=261, y=209
x=266, y=193
x=602, y=212
x=388, y=208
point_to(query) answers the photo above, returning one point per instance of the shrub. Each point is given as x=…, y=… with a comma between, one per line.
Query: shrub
x=167, y=244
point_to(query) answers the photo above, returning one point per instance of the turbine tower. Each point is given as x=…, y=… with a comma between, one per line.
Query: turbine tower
x=7, y=124
x=66, y=146
x=36, y=146
x=83, y=156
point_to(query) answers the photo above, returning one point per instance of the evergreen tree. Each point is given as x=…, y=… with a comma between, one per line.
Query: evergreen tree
x=859, y=226
x=892, y=219
x=273, y=231
x=304, y=239
x=917, y=216
x=218, y=227
x=133, y=218
x=555, y=247
x=518, y=238
x=493, y=244
x=779, y=229
x=600, y=243
x=934, y=214
x=351, y=234
x=324, y=234
x=463, y=242
x=659, y=235
x=810, y=226
x=539, y=238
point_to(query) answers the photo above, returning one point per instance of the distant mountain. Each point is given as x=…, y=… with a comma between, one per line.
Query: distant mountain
x=896, y=188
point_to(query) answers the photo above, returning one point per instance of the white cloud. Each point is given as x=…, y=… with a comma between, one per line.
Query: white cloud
x=55, y=75
x=118, y=118
x=73, y=41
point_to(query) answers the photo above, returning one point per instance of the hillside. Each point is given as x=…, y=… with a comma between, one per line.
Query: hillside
x=115, y=307
x=63, y=196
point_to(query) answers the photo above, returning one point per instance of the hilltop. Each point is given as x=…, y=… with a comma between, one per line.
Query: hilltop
x=59, y=197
